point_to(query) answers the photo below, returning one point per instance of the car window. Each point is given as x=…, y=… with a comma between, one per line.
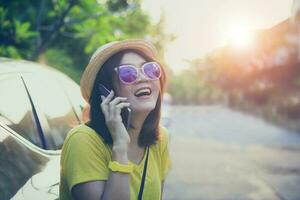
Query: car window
x=73, y=92
x=15, y=109
x=55, y=110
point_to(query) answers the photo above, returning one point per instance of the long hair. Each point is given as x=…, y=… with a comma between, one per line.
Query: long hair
x=150, y=130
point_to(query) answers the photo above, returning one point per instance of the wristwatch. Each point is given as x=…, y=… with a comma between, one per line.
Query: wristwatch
x=118, y=167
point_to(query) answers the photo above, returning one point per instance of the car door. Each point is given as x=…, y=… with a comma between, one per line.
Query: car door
x=22, y=163
x=21, y=156
x=55, y=109
x=26, y=100
x=58, y=114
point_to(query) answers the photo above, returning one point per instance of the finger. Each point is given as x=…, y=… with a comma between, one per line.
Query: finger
x=117, y=100
x=119, y=107
x=122, y=105
x=104, y=104
x=104, y=108
x=108, y=98
x=113, y=103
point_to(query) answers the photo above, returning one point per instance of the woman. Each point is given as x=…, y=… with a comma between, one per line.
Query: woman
x=103, y=158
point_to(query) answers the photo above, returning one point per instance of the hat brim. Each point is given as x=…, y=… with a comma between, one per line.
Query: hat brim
x=105, y=52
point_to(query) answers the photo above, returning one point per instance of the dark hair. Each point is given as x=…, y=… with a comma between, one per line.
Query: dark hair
x=150, y=130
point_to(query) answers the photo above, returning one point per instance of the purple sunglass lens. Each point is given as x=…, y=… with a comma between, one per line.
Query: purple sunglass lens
x=152, y=70
x=127, y=74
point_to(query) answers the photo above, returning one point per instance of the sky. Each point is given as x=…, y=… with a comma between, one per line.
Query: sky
x=200, y=26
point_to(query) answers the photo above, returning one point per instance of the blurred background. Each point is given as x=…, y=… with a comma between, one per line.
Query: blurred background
x=232, y=102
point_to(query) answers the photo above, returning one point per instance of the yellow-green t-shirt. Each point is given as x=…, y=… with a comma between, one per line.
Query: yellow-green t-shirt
x=85, y=157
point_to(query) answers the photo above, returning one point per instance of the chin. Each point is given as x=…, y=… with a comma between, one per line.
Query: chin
x=146, y=107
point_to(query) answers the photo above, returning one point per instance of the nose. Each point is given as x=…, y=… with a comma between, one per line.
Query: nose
x=141, y=76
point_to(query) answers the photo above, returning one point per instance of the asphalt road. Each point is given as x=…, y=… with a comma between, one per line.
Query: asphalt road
x=222, y=154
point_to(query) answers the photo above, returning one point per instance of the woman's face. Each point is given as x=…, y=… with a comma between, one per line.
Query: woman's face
x=142, y=94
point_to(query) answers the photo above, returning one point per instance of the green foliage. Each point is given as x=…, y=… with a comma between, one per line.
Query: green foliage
x=23, y=31
x=60, y=60
x=10, y=51
x=117, y=5
x=15, y=35
x=192, y=87
x=65, y=33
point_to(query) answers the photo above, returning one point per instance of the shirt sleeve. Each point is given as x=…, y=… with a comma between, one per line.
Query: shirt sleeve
x=165, y=154
x=85, y=159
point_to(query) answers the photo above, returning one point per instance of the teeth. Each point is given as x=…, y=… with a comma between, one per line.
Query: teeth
x=143, y=91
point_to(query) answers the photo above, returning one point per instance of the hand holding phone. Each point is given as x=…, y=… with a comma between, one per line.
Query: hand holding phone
x=125, y=113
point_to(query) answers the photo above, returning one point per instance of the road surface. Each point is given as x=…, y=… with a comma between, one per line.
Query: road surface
x=218, y=153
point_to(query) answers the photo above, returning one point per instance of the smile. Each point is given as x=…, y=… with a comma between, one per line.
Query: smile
x=145, y=91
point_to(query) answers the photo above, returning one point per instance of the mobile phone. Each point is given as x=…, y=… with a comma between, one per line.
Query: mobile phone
x=125, y=113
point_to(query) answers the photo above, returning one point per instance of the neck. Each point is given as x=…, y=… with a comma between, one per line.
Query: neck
x=137, y=121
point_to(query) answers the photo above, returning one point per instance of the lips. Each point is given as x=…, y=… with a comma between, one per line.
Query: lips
x=144, y=91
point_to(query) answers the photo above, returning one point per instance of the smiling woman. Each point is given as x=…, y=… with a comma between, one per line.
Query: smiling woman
x=102, y=159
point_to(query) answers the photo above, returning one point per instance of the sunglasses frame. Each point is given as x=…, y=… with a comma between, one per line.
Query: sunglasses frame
x=138, y=69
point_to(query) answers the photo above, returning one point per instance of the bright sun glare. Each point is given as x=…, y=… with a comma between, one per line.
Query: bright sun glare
x=239, y=36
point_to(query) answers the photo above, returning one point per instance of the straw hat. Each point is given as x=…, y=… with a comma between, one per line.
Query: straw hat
x=105, y=52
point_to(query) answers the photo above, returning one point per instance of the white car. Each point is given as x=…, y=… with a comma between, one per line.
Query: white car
x=38, y=106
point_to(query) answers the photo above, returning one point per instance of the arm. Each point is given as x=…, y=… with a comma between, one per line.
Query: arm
x=117, y=185
x=90, y=190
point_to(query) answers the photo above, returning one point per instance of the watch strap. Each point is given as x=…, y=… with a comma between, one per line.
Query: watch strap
x=118, y=167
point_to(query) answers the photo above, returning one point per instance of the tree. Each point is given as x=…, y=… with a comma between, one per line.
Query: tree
x=64, y=33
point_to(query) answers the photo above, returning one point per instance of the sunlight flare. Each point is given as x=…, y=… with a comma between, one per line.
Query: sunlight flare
x=239, y=36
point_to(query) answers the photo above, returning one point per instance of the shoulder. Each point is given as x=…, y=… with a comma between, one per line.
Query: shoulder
x=163, y=138
x=83, y=137
x=82, y=131
x=163, y=134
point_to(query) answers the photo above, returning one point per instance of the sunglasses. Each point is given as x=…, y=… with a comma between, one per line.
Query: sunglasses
x=128, y=74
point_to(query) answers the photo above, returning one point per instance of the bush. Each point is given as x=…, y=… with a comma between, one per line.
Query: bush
x=61, y=61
